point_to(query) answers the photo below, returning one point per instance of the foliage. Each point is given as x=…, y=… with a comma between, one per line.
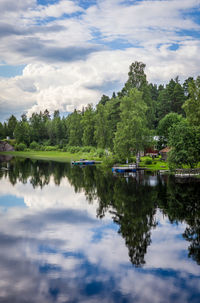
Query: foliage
x=20, y=147
x=131, y=134
x=88, y=123
x=148, y=161
x=164, y=127
x=185, y=142
x=75, y=130
x=101, y=130
x=12, y=122
x=192, y=105
x=50, y=148
x=22, y=132
x=2, y=131
x=34, y=145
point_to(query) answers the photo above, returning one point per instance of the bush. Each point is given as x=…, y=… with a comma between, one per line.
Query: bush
x=148, y=161
x=46, y=143
x=111, y=160
x=20, y=146
x=99, y=153
x=133, y=159
x=88, y=149
x=50, y=148
x=34, y=145
x=74, y=149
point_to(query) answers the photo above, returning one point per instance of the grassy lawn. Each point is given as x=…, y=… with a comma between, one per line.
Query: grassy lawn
x=51, y=155
x=157, y=164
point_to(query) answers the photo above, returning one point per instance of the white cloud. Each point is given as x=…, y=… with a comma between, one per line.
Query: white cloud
x=71, y=61
x=54, y=10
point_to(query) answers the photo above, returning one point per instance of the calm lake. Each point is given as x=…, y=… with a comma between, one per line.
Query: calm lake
x=80, y=234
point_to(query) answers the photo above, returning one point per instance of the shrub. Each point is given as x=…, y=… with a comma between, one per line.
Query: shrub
x=148, y=161
x=88, y=149
x=46, y=143
x=99, y=153
x=74, y=149
x=133, y=159
x=111, y=160
x=20, y=146
x=34, y=145
x=50, y=148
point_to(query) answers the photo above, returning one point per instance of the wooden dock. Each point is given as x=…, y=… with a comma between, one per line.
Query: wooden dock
x=187, y=173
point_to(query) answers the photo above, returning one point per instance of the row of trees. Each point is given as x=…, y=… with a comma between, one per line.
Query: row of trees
x=124, y=123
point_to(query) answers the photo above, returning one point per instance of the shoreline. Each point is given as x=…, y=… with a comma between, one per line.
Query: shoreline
x=67, y=157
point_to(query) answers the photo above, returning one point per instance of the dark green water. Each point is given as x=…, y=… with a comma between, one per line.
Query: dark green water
x=71, y=234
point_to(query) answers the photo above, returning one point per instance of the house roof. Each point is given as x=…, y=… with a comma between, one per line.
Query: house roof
x=165, y=150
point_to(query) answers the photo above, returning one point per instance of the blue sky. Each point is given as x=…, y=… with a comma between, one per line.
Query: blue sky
x=64, y=54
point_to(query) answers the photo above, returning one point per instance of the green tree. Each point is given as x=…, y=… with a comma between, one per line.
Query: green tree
x=88, y=124
x=170, y=99
x=113, y=111
x=186, y=86
x=192, y=105
x=22, y=132
x=164, y=126
x=178, y=99
x=185, y=142
x=101, y=128
x=137, y=79
x=131, y=136
x=12, y=122
x=163, y=106
x=104, y=100
x=2, y=132
x=75, y=130
x=38, y=129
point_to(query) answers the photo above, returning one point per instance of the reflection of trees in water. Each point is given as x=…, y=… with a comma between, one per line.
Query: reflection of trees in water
x=37, y=172
x=134, y=210
x=132, y=204
x=182, y=204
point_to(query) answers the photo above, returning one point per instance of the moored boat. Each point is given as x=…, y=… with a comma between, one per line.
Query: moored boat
x=83, y=162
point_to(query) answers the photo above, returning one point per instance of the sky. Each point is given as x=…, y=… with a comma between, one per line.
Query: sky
x=65, y=54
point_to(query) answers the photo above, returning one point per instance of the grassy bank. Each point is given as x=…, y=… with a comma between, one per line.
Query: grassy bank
x=154, y=164
x=51, y=155
x=60, y=156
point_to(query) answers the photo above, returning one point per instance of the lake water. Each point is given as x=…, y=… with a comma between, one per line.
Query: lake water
x=71, y=234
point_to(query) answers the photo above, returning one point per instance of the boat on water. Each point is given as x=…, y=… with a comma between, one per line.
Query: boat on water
x=83, y=162
x=124, y=169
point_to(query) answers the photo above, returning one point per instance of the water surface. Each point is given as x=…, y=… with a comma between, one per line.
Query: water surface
x=70, y=234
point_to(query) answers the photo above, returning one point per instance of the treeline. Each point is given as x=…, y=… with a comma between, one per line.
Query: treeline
x=125, y=123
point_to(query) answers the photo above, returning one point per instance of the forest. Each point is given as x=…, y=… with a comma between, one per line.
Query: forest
x=123, y=124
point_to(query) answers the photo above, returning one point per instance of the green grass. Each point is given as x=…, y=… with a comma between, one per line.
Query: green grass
x=51, y=155
x=157, y=164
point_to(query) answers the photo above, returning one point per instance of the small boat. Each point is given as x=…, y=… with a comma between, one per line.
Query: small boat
x=83, y=162
x=124, y=169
